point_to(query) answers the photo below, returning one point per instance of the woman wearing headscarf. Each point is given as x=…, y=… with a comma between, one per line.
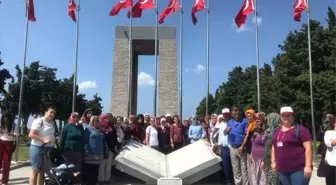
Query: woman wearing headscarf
x=247, y=143
x=85, y=119
x=139, y=129
x=110, y=134
x=164, y=140
x=95, y=151
x=292, y=150
x=322, y=170
x=257, y=174
x=72, y=141
x=195, y=130
x=7, y=144
x=272, y=177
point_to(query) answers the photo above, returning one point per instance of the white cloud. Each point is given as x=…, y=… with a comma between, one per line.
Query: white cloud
x=259, y=20
x=87, y=85
x=145, y=80
x=199, y=68
x=247, y=26
x=243, y=28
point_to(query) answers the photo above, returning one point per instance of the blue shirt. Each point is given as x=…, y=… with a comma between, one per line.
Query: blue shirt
x=222, y=139
x=195, y=130
x=238, y=131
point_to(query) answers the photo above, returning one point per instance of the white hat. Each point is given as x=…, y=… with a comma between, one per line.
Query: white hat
x=214, y=115
x=162, y=119
x=225, y=110
x=146, y=115
x=286, y=110
x=168, y=115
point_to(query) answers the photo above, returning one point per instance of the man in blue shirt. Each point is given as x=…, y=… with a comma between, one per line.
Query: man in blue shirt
x=236, y=130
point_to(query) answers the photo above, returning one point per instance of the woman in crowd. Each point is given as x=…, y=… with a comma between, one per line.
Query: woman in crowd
x=258, y=150
x=139, y=129
x=177, y=140
x=72, y=142
x=272, y=177
x=247, y=143
x=85, y=119
x=186, y=126
x=7, y=144
x=164, y=136
x=94, y=151
x=110, y=134
x=152, y=139
x=127, y=130
x=195, y=130
x=291, y=150
x=330, y=157
x=42, y=132
x=322, y=170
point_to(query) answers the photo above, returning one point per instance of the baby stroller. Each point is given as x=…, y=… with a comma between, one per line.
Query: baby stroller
x=60, y=172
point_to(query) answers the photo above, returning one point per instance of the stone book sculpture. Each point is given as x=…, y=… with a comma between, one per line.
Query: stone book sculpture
x=190, y=163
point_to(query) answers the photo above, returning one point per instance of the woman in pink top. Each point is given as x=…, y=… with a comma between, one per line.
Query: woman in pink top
x=291, y=150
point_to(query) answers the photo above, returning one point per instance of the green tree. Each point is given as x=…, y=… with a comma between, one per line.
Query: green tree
x=4, y=76
x=95, y=104
x=201, y=109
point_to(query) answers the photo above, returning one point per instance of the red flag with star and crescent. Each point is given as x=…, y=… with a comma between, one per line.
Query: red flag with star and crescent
x=198, y=6
x=30, y=10
x=299, y=7
x=246, y=9
x=139, y=6
x=71, y=10
x=119, y=6
x=170, y=9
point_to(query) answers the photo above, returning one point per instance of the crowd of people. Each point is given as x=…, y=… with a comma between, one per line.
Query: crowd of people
x=256, y=148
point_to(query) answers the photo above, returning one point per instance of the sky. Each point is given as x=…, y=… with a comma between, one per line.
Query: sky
x=51, y=40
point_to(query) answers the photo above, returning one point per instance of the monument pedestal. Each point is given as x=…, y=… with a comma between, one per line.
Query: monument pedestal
x=190, y=163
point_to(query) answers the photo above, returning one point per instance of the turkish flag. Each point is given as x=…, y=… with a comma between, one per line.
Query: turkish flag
x=139, y=6
x=198, y=6
x=119, y=6
x=299, y=6
x=170, y=9
x=71, y=10
x=247, y=8
x=30, y=10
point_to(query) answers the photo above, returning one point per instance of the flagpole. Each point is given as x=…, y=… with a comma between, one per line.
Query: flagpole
x=21, y=83
x=181, y=58
x=74, y=93
x=155, y=55
x=130, y=65
x=207, y=58
x=257, y=51
x=311, y=83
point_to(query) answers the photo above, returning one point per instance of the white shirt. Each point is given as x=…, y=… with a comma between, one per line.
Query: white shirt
x=153, y=136
x=47, y=130
x=7, y=137
x=222, y=138
x=330, y=157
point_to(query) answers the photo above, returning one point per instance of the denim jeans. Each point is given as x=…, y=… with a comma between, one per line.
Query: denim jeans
x=226, y=164
x=293, y=178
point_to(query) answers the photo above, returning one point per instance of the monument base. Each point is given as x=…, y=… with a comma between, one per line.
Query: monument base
x=190, y=163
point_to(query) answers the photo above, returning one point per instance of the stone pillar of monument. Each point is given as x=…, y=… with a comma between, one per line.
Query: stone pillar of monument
x=143, y=44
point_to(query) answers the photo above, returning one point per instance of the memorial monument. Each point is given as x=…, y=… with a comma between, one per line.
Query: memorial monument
x=143, y=43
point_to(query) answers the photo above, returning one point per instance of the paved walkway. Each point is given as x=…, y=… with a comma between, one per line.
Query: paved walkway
x=20, y=176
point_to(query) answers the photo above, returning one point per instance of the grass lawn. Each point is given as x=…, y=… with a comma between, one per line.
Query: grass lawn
x=23, y=153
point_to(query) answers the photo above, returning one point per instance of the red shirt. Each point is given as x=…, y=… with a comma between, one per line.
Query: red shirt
x=177, y=133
